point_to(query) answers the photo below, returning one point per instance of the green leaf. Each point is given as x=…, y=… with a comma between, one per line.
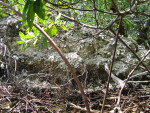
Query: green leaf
x=60, y=1
x=24, y=46
x=39, y=8
x=20, y=42
x=69, y=24
x=21, y=1
x=5, y=15
x=35, y=31
x=70, y=1
x=30, y=16
x=44, y=22
x=30, y=35
x=34, y=43
x=128, y=22
x=64, y=28
x=25, y=10
x=22, y=35
x=53, y=31
x=47, y=30
x=11, y=12
x=45, y=42
x=2, y=11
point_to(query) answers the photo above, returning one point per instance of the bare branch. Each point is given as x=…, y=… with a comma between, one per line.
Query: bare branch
x=115, y=6
x=78, y=22
x=113, y=58
x=95, y=15
x=119, y=97
x=83, y=109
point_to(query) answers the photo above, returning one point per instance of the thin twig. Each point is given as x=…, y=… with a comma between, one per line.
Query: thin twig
x=139, y=74
x=76, y=21
x=109, y=26
x=131, y=63
x=82, y=109
x=138, y=81
x=95, y=13
x=113, y=58
x=115, y=6
x=119, y=97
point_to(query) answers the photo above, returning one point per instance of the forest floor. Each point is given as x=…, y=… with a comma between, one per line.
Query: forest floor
x=16, y=99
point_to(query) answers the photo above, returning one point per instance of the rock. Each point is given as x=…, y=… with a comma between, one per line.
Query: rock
x=10, y=26
x=86, y=53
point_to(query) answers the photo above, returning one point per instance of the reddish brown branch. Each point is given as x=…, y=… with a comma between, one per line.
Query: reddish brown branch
x=113, y=58
x=60, y=53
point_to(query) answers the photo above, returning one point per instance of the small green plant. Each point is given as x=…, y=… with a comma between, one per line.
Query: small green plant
x=34, y=37
x=30, y=37
x=34, y=10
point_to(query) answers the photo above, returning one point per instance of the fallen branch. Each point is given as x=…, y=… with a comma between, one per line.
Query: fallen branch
x=114, y=78
x=138, y=81
x=83, y=109
x=139, y=74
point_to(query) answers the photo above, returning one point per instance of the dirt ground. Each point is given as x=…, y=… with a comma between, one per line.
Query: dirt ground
x=57, y=99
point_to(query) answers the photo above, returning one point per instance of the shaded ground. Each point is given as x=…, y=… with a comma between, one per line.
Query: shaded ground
x=64, y=100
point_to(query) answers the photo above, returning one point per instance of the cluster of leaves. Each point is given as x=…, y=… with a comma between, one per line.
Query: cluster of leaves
x=102, y=12
x=18, y=4
x=5, y=13
x=33, y=36
x=35, y=11
x=98, y=13
x=30, y=9
x=106, y=6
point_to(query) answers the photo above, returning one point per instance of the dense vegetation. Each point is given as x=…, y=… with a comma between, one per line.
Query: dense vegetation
x=123, y=18
x=96, y=14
